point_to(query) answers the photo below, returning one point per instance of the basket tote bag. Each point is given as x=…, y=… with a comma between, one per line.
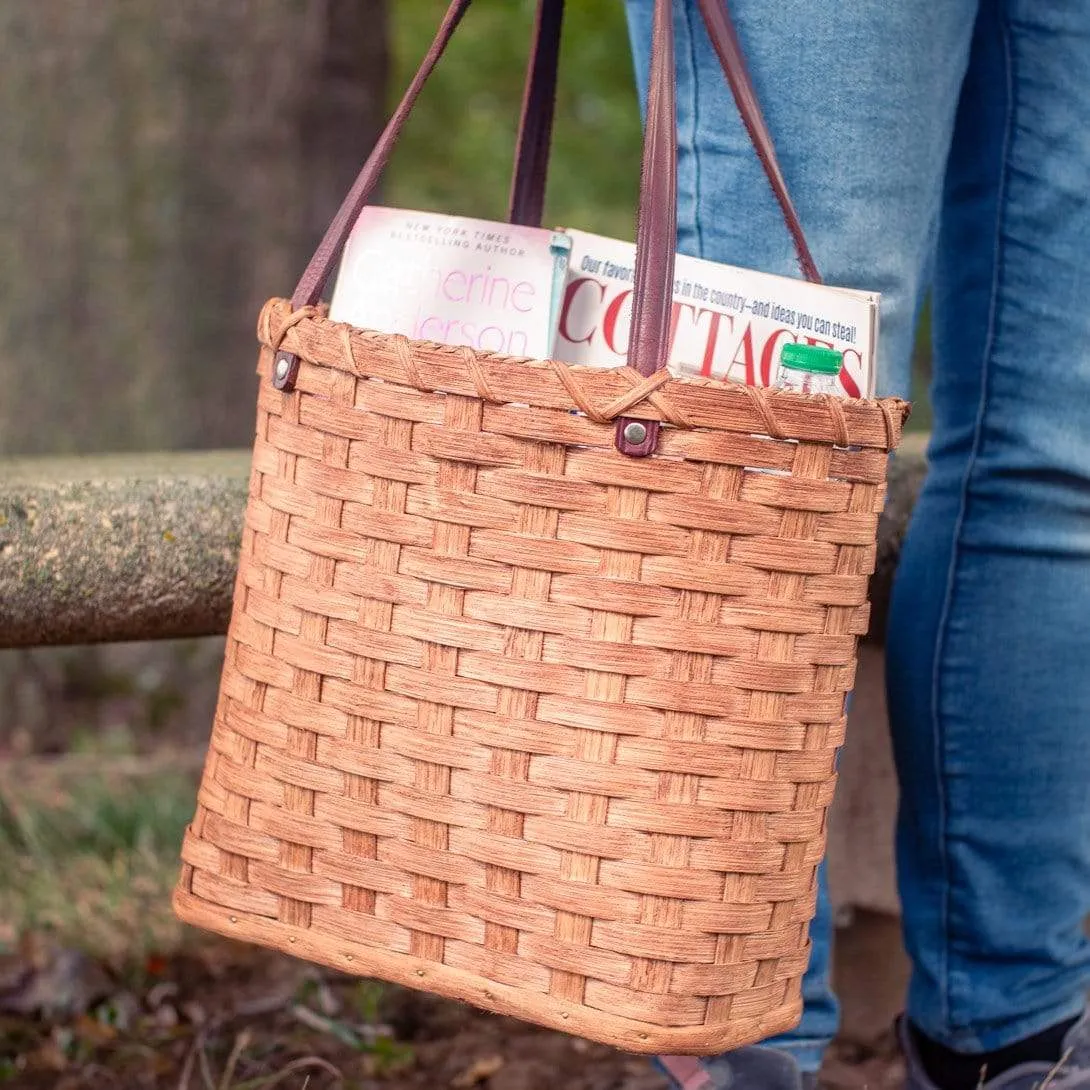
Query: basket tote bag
x=535, y=676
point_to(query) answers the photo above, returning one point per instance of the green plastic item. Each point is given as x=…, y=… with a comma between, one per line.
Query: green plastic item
x=812, y=358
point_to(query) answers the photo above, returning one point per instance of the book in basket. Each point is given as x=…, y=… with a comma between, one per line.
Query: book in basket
x=727, y=323
x=453, y=280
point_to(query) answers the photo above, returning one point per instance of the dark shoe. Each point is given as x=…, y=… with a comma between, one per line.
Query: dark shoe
x=1071, y=1072
x=752, y=1068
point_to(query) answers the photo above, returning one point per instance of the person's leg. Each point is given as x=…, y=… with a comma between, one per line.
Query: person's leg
x=861, y=99
x=989, y=640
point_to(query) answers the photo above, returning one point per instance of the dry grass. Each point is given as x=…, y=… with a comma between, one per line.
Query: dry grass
x=89, y=849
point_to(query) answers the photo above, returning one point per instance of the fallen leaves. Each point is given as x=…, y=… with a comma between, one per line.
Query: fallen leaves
x=226, y=1018
x=42, y=978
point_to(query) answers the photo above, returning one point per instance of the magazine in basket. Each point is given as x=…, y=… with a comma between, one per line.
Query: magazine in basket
x=492, y=286
x=728, y=322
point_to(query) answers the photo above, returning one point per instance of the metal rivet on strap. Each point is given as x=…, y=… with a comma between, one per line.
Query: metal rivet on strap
x=635, y=432
x=283, y=365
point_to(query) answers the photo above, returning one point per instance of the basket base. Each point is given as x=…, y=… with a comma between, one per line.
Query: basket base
x=360, y=960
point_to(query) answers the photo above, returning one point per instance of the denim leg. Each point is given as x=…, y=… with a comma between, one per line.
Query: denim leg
x=860, y=98
x=989, y=642
x=821, y=1012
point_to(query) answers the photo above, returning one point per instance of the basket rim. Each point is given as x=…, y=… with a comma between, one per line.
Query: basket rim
x=685, y=401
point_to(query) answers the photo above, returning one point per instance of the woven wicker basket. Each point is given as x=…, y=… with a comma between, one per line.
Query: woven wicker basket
x=512, y=717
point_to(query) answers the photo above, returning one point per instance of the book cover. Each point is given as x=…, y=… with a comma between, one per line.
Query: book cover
x=727, y=322
x=454, y=280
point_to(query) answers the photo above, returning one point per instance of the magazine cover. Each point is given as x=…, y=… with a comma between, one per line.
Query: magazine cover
x=454, y=280
x=728, y=323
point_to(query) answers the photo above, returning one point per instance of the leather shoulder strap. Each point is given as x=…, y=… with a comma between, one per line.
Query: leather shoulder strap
x=527, y=202
x=313, y=281
x=725, y=41
x=535, y=127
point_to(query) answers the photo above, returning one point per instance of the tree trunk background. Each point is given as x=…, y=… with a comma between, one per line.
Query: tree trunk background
x=165, y=168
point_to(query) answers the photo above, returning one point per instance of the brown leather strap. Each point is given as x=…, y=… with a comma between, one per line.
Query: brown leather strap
x=656, y=228
x=527, y=202
x=313, y=281
x=656, y=231
x=532, y=152
x=531, y=158
x=724, y=39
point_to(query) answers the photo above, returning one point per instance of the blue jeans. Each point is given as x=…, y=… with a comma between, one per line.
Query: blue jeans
x=946, y=146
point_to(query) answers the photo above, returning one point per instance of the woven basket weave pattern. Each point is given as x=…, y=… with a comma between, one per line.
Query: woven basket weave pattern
x=514, y=718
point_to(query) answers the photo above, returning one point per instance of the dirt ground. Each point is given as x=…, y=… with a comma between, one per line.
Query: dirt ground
x=227, y=1017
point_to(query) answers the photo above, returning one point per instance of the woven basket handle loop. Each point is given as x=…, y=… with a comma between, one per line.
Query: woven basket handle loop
x=575, y=392
x=759, y=400
x=840, y=423
x=892, y=426
x=480, y=379
x=645, y=389
x=408, y=360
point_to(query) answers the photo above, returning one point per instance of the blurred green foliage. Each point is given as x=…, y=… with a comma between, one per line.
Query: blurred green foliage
x=456, y=152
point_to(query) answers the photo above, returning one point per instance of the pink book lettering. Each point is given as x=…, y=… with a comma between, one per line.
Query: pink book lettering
x=453, y=280
x=727, y=322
